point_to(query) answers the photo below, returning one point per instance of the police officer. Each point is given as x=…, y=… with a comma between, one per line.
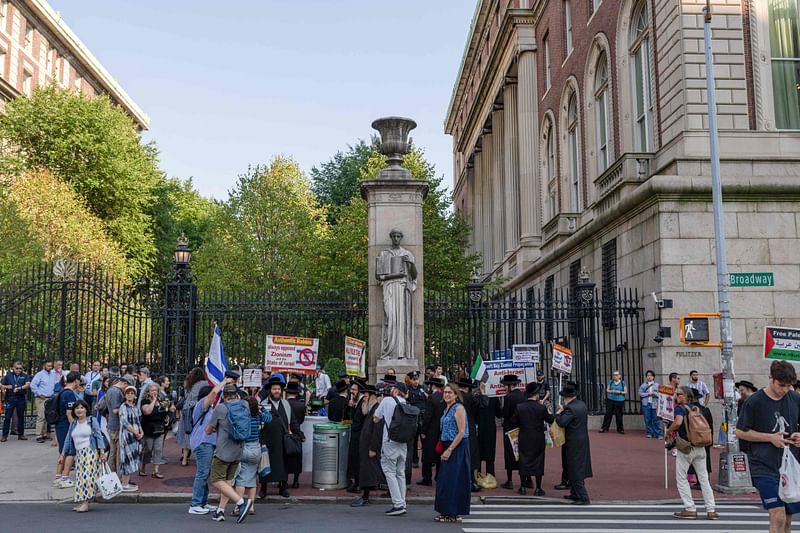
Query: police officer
x=16, y=385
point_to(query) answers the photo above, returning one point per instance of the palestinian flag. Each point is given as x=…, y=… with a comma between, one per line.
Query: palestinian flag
x=479, y=371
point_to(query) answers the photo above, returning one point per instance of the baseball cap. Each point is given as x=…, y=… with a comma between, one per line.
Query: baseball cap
x=400, y=386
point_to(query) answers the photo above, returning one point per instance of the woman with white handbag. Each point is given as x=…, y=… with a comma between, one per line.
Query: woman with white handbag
x=85, y=441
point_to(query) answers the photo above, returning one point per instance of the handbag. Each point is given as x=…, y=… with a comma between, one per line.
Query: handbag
x=292, y=446
x=789, y=488
x=263, y=462
x=558, y=435
x=439, y=448
x=108, y=484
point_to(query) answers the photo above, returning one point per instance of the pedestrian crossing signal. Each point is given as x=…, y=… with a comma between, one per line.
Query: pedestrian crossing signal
x=694, y=330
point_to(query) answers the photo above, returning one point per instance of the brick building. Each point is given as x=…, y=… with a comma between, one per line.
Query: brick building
x=580, y=142
x=37, y=48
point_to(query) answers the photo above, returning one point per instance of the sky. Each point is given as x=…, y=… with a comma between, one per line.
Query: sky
x=231, y=84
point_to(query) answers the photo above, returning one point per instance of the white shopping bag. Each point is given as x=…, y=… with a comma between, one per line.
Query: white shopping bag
x=109, y=483
x=789, y=490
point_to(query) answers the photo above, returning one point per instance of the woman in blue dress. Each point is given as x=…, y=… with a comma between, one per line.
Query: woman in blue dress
x=454, y=477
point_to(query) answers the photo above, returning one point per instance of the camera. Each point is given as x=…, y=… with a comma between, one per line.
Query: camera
x=669, y=445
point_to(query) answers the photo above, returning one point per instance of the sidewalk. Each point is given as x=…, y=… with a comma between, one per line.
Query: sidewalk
x=626, y=467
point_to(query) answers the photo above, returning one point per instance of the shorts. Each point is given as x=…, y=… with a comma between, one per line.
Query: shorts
x=223, y=470
x=768, y=490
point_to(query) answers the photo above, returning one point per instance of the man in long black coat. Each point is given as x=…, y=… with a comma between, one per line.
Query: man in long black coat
x=473, y=403
x=574, y=418
x=430, y=430
x=283, y=421
x=487, y=433
x=530, y=418
x=294, y=465
x=512, y=397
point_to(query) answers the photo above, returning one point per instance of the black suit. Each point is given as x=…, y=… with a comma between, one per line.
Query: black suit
x=434, y=409
x=575, y=421
x=510, y=402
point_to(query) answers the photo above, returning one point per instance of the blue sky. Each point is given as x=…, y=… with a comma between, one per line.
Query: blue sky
x=228, y=84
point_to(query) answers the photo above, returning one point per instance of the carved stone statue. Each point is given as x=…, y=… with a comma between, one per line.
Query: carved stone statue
x=396, y=270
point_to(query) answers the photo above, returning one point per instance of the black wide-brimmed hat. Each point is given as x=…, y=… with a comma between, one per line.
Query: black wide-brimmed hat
x=275, y=380
x=436, y=382
x=293, y=387
x=510, y=379
x=745, y=383
x=532, y=388
x=340, y=386
x=370, y=389
x=390, y=378
x=568, y=391
x=466, y=383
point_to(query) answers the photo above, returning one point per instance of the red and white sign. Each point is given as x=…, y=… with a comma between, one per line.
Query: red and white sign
x=354, y=360
x=562, y=359
x=291, y=354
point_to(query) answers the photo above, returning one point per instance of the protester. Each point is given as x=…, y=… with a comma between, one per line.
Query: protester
x=90, y=377
x=247, y=476
x=66, y=400
x=487, y=433
x=648, y=392
x=512, y=397
x=202, y=445
x=472, y=403
x=114, y=399
x=453, y=480
x=393, y=454
x=573, y=417
x=85, y=442
x=765, y=420
x=143, y=382
x=695, y=456
x=195, y=380
x=370, y=474
x=746, y=389
x=272, y=435
x=616, y=390
x=358, y=415
x=337, y=407
x=698, y=385
x=155, y=410
x=322, y=384
x=530, y=417
x=694, y=399
x=42, y=386
x=294, y=463
x=130, y=439
x=16, y=385
x=430, y=430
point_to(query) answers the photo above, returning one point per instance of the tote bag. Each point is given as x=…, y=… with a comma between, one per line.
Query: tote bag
x=558, y=435
x=789, y=490
x=108, y=484
x=263, y=462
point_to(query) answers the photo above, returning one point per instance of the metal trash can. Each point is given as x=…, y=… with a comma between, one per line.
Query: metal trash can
x=329, y=469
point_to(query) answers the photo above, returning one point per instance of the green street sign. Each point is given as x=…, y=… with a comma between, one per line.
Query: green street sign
x=752, y=279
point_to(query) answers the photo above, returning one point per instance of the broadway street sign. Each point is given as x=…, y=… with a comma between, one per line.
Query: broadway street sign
x=782, y=343
x=752, y=279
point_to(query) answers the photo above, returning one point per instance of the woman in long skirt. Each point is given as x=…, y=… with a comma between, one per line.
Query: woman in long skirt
x=454, y=477
x=85, y=442
x=130, y=439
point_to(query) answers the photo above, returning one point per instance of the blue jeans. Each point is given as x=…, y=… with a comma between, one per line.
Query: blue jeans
x=202, y=455
x=15, y=403
x=651, y=422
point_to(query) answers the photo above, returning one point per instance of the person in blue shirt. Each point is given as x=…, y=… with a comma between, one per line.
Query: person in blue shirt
x=16, y=385
x=615, y=402
x=43, y=387
x=66, y=401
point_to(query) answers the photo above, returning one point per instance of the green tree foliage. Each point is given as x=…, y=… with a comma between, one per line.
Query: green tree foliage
x=335, y=182
x=267, y=235
x=92, y=145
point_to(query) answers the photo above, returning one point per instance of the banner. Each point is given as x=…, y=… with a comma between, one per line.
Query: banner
x=666, y=403
x=354, y=360
x=562, y=359
x=497, y=369
x=526, y=353
x=291, y=354
x=782, y=343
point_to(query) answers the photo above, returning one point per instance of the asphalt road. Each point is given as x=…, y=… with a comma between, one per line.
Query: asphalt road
x=173, y=518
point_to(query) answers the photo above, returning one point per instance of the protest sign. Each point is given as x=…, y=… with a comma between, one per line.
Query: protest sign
x=562, y=359
x=525, y=353
x=666, y=403
x=251, y=377
x=513, y=438
x=354, y=357
x=497, y=369
x=291, y=354
x=782, y=343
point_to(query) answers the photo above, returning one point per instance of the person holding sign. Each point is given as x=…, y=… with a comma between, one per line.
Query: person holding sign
x=530, y=417
x=512, y=398
x=615, y=402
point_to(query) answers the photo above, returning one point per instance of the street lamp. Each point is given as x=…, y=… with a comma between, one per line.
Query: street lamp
x=183, y=254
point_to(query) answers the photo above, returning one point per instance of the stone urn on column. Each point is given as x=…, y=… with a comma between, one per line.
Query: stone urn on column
x=396, y=283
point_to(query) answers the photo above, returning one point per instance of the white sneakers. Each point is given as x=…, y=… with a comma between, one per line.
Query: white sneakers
x=63, y=484
x=129, y=488
x=198, y=510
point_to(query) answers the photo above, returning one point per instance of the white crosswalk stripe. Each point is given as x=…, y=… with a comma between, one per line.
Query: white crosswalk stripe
x=605, y=518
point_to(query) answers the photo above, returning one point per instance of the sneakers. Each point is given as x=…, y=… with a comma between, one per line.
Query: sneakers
x=57, y=482
x=244, y=509
x=359, y=502
x=686, y=515
x=712, y=515
x=129, y=488
x=210, y=507
x=218, y=516
x=198, y=510
x=65, y=484
x=395, y=511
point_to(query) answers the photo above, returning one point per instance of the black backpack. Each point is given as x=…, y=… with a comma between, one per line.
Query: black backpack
x=403, y=427
x=52, y=406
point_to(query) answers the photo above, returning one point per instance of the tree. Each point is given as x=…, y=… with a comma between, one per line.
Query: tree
x=335, y=182
x=267, y=235
x=92, y=145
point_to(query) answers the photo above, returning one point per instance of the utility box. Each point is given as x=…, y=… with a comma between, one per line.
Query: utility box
x=331, y=442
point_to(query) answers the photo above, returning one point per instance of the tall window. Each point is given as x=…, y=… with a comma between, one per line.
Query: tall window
x=28, y=36
x=27, y=78
x=552, y=185
x=568, y=24
x=3, y=14
x=2, y=62
x=784, y=43
x=601, y=112
x=573, y=153
x=642, y=79
x=547, y=65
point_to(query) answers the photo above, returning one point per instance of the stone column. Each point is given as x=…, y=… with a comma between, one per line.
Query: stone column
x=477, y=203
x=394, y=200
x=528, y=114
x=486, y=194
x=498, y=186
x=511, y=165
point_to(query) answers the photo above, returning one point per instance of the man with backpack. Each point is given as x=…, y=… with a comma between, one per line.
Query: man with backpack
x=400, y=426
x=231, y=422
x=693, y=435
x=202, y=445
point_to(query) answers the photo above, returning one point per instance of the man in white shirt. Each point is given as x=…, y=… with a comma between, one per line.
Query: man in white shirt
x=90, y=377
x=323, y=384
x=393, y=454
x=702, y=389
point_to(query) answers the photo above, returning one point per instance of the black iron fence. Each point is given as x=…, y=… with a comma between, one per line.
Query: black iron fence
x=77, y=314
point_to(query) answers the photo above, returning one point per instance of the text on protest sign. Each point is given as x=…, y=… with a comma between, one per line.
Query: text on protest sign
x=526, y=372
x=562, y=359
x=666, y=403
x=251, y=377
x=354, y=356
x=782, y=343
x=525, y=353
x=291, y=354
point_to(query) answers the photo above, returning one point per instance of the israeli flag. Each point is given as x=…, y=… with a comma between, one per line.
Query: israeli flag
x=216, y=364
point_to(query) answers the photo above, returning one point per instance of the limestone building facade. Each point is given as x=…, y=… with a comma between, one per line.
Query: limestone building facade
x=38, y=48
x=580, y=142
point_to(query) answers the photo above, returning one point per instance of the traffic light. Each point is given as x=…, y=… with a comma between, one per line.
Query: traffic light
x=695, y=329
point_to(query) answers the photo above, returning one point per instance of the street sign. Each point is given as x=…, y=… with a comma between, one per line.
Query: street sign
x=694, y=330
x=782, y=343
x=752, y=279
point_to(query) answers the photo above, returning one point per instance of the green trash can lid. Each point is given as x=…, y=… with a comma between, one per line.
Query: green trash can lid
x=330, y=425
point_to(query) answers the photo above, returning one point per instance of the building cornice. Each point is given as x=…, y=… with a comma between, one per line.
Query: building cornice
x=52, y=20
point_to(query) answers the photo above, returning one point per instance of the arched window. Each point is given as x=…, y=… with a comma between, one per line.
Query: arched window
x=550, y=169
x=573, y=151
x=601, y=113
x=641, y=73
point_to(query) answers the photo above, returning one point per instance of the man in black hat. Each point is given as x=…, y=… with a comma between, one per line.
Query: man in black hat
x=430, y=430
x=574, y=418
x=297, y=403
x=511, y=399
x=337, y=407
x=472, y=404
x=272, y=434
x=564, y=485
x=530, y=418
x=418, y=398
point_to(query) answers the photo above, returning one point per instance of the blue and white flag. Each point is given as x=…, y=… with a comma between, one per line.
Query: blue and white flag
x=216, y=364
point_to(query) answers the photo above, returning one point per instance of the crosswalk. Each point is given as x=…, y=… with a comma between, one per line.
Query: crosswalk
x=628, y=518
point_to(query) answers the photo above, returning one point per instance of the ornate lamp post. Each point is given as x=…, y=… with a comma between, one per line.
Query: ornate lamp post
x=585, y=299
x=475, y=294
x=180, y=303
